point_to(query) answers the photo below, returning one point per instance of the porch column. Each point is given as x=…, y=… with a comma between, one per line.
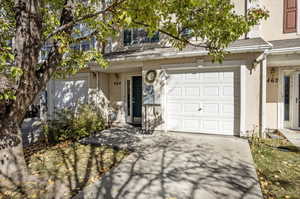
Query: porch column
x=263, y=97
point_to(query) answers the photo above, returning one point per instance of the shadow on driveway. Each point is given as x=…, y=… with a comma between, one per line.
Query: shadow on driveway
x=181, y=166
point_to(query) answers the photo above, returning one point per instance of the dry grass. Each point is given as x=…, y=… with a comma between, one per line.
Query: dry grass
x=278, y=171
x=67, y=167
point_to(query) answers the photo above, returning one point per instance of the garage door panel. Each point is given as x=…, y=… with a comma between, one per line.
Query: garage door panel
x=210, y=125
x=228, y=91
x=174, y=108
x=228, y=109
x=175, y=91
x=204, y=102
x=191, y=124
x=192, y=91
x=191, y=107
x=227, y=125
x=192, y=76
x=211, y=77
x=211, y=91
x=210, y=108
x=175, y=124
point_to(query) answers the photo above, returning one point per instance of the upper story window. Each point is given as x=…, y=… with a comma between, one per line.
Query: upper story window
x=139, y=36
x=84, y=45
x=45, y=52
x=290, y=16
x=187, y=32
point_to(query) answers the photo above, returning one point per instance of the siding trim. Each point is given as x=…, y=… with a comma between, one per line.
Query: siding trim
x=243, y=99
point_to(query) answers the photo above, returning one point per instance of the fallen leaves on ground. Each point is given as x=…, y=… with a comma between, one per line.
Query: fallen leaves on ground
x=67, y=167
x=278, y=171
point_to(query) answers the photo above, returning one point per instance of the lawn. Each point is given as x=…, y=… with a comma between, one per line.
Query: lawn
x=71, y=164
x=278, y=171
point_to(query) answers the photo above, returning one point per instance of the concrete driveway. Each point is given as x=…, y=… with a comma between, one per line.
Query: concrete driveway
x=182, y=166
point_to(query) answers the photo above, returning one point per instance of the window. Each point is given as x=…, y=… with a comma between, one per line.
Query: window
x=290, y=16
x=45, y=52
x=83, y=45
x=10, y=43
x=187, y=32
x=139, y=36
x=82, y=30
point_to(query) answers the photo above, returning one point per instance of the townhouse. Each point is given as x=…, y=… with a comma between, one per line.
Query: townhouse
x=149, y=84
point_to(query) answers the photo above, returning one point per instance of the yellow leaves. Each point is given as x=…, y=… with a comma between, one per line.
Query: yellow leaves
x=33, y=195
x=276, y=169
x=264, y=183
x=128, y=20
x=93, y=179
x=50, y=182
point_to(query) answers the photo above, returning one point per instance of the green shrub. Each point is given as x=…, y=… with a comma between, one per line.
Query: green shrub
x=73, y=125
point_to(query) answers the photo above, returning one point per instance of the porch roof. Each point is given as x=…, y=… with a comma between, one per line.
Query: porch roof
x=285, y=43
x=285, y=46
x=239, y=46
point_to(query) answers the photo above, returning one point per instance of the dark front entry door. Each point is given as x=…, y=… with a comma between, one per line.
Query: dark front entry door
x=136, y=97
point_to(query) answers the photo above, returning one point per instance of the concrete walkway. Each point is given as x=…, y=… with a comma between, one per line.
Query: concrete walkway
x=181, y=166
x=292, y=136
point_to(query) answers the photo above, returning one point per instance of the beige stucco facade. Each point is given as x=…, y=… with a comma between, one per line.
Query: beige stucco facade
x=252, y=90
x=272, y=28
x=272, y=98
x=116, y=91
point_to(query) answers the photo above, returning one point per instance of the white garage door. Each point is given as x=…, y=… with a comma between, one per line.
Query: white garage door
x=69, y=93
x=204, y=102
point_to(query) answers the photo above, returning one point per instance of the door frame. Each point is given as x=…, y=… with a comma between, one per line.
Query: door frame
x=295, y=101
x=129, y=117
x=293, y=123
x=289, y=123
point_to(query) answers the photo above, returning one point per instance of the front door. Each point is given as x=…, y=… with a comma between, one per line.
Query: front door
x=296, y=103
x=137, y=99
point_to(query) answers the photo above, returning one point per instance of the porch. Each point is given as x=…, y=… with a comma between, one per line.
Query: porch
x=292, y=135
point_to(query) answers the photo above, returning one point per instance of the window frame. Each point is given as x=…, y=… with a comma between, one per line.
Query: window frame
x=297, y=21
x=146, y=40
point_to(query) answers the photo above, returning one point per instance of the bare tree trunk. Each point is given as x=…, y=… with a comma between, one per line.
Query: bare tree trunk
x=13, y=171
x=27, y=46
x=12, y=112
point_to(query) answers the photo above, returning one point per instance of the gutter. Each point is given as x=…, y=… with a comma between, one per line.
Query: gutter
x=170, y=55
x=284, y=51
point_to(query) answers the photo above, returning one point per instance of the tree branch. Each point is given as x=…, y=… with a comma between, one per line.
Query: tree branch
x=186, y=41
x=88, y=16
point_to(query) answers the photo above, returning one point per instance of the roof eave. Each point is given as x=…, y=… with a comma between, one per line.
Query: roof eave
x=182, y=54
x=281, y=51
